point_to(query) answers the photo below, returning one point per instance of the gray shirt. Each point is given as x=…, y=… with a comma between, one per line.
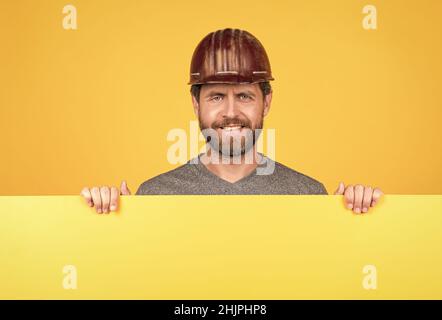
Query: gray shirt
x=194, y=178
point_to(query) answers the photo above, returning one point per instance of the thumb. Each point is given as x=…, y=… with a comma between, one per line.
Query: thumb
x=124, y=190
x=340, y=189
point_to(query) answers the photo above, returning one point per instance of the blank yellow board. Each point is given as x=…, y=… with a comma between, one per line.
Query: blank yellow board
x=220, y=247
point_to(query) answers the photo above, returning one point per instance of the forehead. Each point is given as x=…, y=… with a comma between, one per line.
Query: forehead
x=223, y=87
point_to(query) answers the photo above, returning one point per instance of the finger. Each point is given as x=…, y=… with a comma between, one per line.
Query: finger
x=114, y=199
x=124, y=189
x=341, y=188
x=377, y=194
x=105, y=198
x=349, y=197
x=359, y=195
x=366, y=201
x=95, y=192
x=85, y=192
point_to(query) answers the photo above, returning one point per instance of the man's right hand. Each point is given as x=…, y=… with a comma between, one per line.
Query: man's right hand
x=105, y=198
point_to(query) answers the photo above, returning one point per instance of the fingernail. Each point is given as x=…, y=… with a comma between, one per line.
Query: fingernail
x=358, y=210
x=105, y=210
x=113, y=208
x=98, y=210
x=364, y=209
x=350, y=206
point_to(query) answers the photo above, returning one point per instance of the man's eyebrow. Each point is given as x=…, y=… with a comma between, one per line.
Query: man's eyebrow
x=214, y=92
x=247, y=92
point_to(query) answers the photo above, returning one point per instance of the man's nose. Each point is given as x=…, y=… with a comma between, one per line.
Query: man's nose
x=231, y=108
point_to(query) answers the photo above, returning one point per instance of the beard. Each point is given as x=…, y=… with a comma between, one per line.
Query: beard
x=226, y=144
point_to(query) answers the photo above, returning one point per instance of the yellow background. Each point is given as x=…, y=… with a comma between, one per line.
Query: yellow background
x=93, y=106
x=191, y=247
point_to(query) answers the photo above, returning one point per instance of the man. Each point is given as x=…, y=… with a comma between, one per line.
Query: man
x=231, y=95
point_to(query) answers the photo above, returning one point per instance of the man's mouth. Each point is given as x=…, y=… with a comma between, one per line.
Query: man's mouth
x=232, y=127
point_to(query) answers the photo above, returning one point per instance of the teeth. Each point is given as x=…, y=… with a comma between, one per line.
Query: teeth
x=231, y=128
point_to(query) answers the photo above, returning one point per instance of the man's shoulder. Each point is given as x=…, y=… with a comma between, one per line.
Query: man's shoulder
x=168, y=182
x=302, y=180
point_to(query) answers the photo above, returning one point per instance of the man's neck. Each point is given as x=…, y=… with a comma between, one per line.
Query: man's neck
x=236, y=168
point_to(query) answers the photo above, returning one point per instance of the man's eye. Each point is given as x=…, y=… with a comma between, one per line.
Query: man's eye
x=244, y=97
x=216, y=98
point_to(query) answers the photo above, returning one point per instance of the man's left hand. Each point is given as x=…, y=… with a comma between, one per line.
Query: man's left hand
x=358, y=197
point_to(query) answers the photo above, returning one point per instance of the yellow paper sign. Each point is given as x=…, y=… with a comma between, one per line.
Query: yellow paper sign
x=220, y=247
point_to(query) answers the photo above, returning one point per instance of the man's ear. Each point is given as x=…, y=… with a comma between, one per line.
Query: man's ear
x=267, y=103
x=195, y=105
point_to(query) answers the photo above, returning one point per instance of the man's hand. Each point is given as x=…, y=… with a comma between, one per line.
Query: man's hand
x=358, y=197
x=104, y=198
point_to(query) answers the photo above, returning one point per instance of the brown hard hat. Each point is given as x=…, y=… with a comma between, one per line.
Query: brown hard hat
x=229, y=56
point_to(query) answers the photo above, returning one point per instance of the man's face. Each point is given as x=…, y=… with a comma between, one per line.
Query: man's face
x=234, y=112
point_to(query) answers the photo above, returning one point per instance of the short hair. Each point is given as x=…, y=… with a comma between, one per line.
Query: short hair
x=265, y=87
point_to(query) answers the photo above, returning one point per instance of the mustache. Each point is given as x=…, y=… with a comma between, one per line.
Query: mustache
x=231, y=122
